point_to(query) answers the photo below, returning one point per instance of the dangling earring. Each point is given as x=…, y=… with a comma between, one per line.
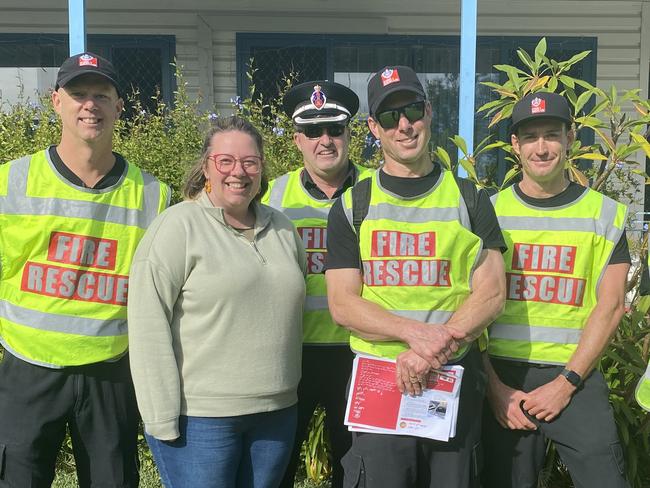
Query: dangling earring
x=208, y=186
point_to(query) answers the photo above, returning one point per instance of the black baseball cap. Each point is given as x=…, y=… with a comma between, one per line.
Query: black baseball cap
x=320, y=102
x=87, y=63
x=540, y=105
x=391, y=79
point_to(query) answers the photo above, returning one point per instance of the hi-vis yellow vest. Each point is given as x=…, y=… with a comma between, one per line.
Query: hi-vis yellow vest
x=309, y=215
x=418, y=256
x=642, y=392
x=555, y=260
x=65, y=256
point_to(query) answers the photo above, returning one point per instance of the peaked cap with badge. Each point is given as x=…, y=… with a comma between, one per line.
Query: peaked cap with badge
x=320, y=102
x=84, y=64
x=540, y=105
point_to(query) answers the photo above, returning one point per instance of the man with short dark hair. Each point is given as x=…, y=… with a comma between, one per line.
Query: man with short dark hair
x=566, y=268
x=71, y=217
x=321, y=112
x=423, y=306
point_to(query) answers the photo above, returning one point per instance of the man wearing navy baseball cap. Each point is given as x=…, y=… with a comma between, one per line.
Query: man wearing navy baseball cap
x=71, y=217
x=566, y=269
x=321, y=111
x=423, y=306
x=87, y=64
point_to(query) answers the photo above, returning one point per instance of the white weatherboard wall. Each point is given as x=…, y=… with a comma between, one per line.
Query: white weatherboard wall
x=205, y=30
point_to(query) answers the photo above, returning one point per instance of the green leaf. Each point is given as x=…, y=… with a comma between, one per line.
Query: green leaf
x=509, y=175
x=584, y=84
x=526, y=59
x=495, y=104
x=460, y=143
x=506, y=68
x=540, y=51
x=469, y=168
x=576, y=59
x=494, y=145
x=571, y=95
x=567, y=81
x=593, y=157
x=643, y=142
x=443, y=155
x=582, y=100
x=552, y=84
x=590, y=121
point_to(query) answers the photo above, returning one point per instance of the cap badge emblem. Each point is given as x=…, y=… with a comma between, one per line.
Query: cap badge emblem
x=537, y=106
x=87, y=60
x=389, y=76
x=318, y=97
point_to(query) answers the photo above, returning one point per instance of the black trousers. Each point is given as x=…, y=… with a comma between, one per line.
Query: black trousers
x=96, y=402
x=394, y=461
x=325, y=374
x=584, y=434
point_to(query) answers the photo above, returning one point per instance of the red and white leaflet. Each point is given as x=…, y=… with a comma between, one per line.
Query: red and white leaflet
x=376, y=405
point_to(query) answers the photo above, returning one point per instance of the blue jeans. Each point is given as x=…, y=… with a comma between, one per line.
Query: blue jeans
x=245, y=451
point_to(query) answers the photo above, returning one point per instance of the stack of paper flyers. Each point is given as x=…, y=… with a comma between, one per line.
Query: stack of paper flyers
x=376, y=405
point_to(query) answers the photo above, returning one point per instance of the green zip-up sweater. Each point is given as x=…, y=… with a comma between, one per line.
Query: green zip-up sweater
x=214, y=319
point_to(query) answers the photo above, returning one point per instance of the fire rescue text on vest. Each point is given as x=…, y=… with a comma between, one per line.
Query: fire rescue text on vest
x=545, y=287
x=77, y=283
x=418, y=271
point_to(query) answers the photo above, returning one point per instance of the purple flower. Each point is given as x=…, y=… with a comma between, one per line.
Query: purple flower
x=237, y=101
x=278, y=131
x=213, y=116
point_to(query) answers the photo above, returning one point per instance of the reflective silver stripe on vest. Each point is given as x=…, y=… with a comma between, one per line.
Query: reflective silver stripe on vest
x=306, y=213
x=21, y=204
x=531, y=333
x=62, y=323
x=426, y=316
x=464, y=214
x=607, y=217
x=276, y=196
x=313, y=303
x=277, y=191
x=600, y=226
x=413, y=215
x=349, y=215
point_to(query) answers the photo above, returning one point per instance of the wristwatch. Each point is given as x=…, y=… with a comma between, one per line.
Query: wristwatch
x=572, y=377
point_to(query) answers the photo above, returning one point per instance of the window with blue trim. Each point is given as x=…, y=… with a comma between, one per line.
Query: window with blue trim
x=29, y=64
x=350, y=59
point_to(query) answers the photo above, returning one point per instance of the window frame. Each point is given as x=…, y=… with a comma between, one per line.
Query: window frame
x=104, y=43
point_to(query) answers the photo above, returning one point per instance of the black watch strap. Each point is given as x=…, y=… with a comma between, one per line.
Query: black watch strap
x=572, y=377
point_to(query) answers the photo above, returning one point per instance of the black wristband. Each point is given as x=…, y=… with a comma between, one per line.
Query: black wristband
x=572, y=377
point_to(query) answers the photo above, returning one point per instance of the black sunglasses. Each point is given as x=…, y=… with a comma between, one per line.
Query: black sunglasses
x=389, y=119
x=315, y=131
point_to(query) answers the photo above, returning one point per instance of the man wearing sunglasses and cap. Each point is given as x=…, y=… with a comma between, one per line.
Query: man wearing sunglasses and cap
x=415, y=272
x=71, y=217
x=321, y=112
x=566, y=269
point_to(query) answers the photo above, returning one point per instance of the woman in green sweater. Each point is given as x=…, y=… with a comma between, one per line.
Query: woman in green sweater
x=215, y=304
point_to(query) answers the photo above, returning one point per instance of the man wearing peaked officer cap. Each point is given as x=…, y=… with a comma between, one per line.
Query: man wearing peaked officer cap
x=566, y=268
x=321, y=111
x=71, y=216
x=422, y=306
